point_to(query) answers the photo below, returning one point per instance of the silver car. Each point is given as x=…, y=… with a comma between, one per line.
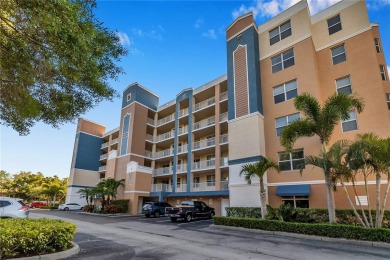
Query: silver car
x=70, y=206
x=13, y=208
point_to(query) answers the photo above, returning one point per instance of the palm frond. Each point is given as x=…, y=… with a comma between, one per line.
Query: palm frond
x=309, y=105
x=293, y=131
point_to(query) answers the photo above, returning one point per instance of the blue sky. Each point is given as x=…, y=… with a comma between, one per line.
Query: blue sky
x=172, y=45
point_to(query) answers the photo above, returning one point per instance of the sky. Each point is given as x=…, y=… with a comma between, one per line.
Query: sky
x=172, y=45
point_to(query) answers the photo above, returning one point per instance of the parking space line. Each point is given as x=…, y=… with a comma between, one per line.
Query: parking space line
x=193, y=222
x=161, y=221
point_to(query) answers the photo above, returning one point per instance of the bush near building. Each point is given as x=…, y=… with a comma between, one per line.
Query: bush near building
x=28, y=237
x=303, y=215
x=325, y=230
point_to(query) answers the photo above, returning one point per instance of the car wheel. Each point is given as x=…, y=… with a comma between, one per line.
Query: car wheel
x=173, y=219
x=147, y=215
x=188, y=218
x=81, y=208
x=157, y=214
x=66, y=209
x=212, y=214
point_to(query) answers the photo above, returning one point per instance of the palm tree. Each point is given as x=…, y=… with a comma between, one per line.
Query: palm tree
x=87, y=194
x=320, y=121
x=258, y=169
x=111, y=188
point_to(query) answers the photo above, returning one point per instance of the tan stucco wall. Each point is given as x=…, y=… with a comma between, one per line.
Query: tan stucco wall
x=83, y=178
x=90, y=127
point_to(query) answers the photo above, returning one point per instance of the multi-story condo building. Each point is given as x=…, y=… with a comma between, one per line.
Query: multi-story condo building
x=194, y=146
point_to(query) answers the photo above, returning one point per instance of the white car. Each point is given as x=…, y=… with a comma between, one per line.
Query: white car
x=13, y=208
x=70, y=206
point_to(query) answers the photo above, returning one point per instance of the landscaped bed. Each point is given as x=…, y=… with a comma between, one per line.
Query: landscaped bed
x=29, y=237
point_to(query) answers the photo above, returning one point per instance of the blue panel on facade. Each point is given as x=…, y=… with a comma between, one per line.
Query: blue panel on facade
x=125, y=134
x=249, y=38
x=293, y=190
x=137, y=93
x=88, y=152
x=200, y=193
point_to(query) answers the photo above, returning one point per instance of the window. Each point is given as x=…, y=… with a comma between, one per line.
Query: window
x=334, y=24
x=285, y=91
x=283, y=61
x=178, y=182
x=351, y=123
x=284, y=121
x=279, y=33
x=388, y=100
x=128, y=97
x=344, y=85
x=292, y=161
x=210, y=160
x=210, y=180
x=196, y=164
x=338, y=54
x=4, y=203
x=196, y=182
x=131, y=178
x=378, y=45
x=383, y=72
x=125, y=133
x=296, y=201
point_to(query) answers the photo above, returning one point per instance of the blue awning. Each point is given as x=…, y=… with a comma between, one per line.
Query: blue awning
x=293, y=190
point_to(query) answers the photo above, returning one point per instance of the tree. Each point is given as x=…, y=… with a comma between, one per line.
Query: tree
x=320, y=121
x=5, y=183
x=86, y=193
x=258, y=169
x=111, y=188
x=56, y=60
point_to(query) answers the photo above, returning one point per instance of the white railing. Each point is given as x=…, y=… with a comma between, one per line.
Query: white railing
x=182, y=130
x=102, y=168
x=223, y=139
x=104, y=145
x=224, y=185
x=164, y=136
x=103, y=156
x=183, y=112
x=161, y=187
x=203, y=186
x=181, y=168
x=163, y=153
x=205, y=103
x=114, y=141
x=166, y=119
x=203, y=165
x=203, y=143
x=182, y=187
x=223, y=96
x=204, y=123
x=182, y=149
x=163, y=171
x=223, y=117
x=149, y=154
x=150, y=121
x=149, y=138
x=224, y=162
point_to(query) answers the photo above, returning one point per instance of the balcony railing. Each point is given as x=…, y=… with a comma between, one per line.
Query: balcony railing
x=204, y=123
x=150, y=121
x=183, y=112
x=182, y=187
x=102, y=168
x=166, y=120
x=164, y=136
x=223, y=117
x=161, y=187
x=104, y=145
x=202, y=165
x=149, y=138
x=149, y=154
x=182, y=149
x=224, y=162
x=223, y=96
x=223, y=139
x=203, y=104
x=103, y=156
x=224, y=185
x=203, y=144
x=163, y=153
x=114, y=141
x=203, y=186
x=181, y=168
x=182, y=130
x=162, y=171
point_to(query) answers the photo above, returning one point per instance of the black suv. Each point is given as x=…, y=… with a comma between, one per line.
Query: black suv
x=154, y=208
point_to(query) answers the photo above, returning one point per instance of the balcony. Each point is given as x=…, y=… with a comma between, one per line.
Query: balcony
x=203, y=144
x=223, y=96
x=103, y=156
x=203, y=165
x=223, y=139
x=164, y=136
x=164, y=153
x=224, y=185
x=149, y=138
x=203, y=104
x=182, y=149
x=102, y=169
x=223, y=117
x=162, y=171
x=104, y=145
x=183, y=112
x=114, y=141
x=209, y=186
x=165, y=120
x=149, y=154
x=161, y=187
x=224, y=162
x=180, y=168
x=182, y=187
x=150, y=121
x=182, y=130
x=204, y=123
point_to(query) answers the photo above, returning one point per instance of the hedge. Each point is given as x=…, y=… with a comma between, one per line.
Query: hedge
x=344, y=216
x=27, y=237
x=325, y=230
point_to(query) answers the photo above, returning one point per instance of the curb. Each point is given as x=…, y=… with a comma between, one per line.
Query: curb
x=309, y=237
x=108, y=215
x=60, y=255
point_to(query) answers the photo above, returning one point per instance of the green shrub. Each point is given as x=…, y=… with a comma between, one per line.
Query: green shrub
x=123, y=203
x=26, y=237
x=326, y=230
x=88, y=208
x=244, y=212
x=113, y=209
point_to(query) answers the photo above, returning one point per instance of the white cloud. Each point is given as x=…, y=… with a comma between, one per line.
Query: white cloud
x=376, y=4
x=270, y=8
x=198, y=23
x=135, y=52
x=155, y=33
x=388, y=69
x=210, y=34
x=124, y=39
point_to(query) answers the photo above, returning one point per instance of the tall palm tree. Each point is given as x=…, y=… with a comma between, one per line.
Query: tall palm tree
x=320, y=121
x=111, y=188
x=87, y=194
x=258, y=169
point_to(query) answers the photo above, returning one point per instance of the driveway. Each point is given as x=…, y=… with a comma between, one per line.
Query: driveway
x=101, y=237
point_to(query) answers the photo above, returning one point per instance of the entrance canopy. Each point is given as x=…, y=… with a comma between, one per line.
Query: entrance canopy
x=293, y=190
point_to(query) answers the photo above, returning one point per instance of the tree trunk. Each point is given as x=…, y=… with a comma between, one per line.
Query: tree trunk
x=368, y=201
x=263, y=199
x=384, y=201
x=330, y=199
x=360, y=204
x=352, y=206
x=377, y=200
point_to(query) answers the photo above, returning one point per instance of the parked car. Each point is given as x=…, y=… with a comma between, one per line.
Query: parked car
x=37, y=204
x=154, y=208
x=70, y=206
x=189, y=210
x=13, y=208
